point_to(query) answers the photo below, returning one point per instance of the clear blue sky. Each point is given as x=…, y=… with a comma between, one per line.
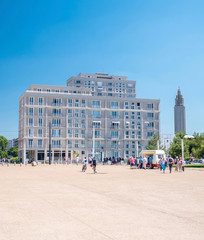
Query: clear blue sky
x=160, y=44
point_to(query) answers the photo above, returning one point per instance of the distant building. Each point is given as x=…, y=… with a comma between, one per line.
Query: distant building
x=179, y=114
x=13, y=143
x=166, y=140
x=94, y=114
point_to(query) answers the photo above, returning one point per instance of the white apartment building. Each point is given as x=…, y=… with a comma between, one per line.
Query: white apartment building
x=95, y=113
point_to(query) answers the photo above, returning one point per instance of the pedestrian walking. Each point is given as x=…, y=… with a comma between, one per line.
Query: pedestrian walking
x=84, y=167
x=170, y=163
x=77, y=160
x=160, y=164
x=144, y=162
x=183, y=165
x=164, y=164
x=150, y=162
x=179, y=164
x=141, y=162
x=94, y=164
x=176, y=164
x=132, y=162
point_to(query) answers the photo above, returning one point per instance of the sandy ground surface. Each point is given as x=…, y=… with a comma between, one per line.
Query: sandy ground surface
x=61, y=202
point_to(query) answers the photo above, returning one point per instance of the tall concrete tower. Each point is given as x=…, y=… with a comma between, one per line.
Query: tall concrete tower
x=179, y=114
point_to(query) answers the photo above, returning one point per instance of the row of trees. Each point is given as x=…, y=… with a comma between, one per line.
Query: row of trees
x=4, y=152
x=193, y=146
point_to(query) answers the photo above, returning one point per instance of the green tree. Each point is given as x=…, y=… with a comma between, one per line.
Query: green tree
x=3, y=146
x=13, y=152
x=152, y=143
x=196, y=145
x=175, y=148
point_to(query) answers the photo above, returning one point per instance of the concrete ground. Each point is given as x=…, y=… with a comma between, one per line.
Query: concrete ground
x=61, y=202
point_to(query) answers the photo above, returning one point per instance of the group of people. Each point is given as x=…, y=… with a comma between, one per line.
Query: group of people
x=91, y=161
x=112, y=160
x=144, y=162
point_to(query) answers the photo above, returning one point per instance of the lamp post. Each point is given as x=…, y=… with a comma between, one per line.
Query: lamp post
x=93, y=142
x=49, y=143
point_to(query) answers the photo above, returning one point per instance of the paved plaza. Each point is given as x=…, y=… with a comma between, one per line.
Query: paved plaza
x=62, y=203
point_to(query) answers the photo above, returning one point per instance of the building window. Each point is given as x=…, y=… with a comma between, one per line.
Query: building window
x=115, y=114
x=40, y=133
x=150, y=106
x=40, y=143
x=69, y=101
x=30, y=132
x=76, y=124
x=69, y=123
x=69, y=111
x=150, y=115
x=40, y=111
x=76, y=133
x=96, y=104
x=76, y=113
x=48, y=90
x=56, y=133
x=82, y=143
x=83, y=103
x=96, y=124
x=70, y=133
x=96, y=114
x=100, y=84
x=83, y=133
x=40, y=122
x=97, y=134
x=114, y=105
x=30, y=143
x=83, y=113
x=40, y=101
x=31, y=111
x=149, y=134
x=30, y=122
x=56, y=102
x=31, y=100
x=76, y=145
x=114, y=134
x=83, y=123
x=69, y=144
x=56, y=143
x=56, y=112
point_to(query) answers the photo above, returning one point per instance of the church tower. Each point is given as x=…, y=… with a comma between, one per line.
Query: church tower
x=179, y=114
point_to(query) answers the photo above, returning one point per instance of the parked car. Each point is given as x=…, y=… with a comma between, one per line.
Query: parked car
x=188, y=161
x=195, y=161
x=201, y=161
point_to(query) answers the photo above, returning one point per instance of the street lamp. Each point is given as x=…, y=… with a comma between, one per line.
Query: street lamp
x=182, y=145
x=93, y=141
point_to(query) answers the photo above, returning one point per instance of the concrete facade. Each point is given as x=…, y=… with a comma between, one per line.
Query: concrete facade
x=92, y=106
x=179, y=114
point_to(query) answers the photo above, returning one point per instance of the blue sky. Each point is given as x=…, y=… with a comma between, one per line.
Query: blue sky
x=157, y=43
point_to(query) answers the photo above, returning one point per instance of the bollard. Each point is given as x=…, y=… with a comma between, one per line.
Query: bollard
x=7, y=164
x=20, y=164
x=14, y=163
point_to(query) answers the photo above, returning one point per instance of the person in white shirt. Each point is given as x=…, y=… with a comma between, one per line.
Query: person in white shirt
x=144, y=162
x=77, y=160
x=84, y=167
